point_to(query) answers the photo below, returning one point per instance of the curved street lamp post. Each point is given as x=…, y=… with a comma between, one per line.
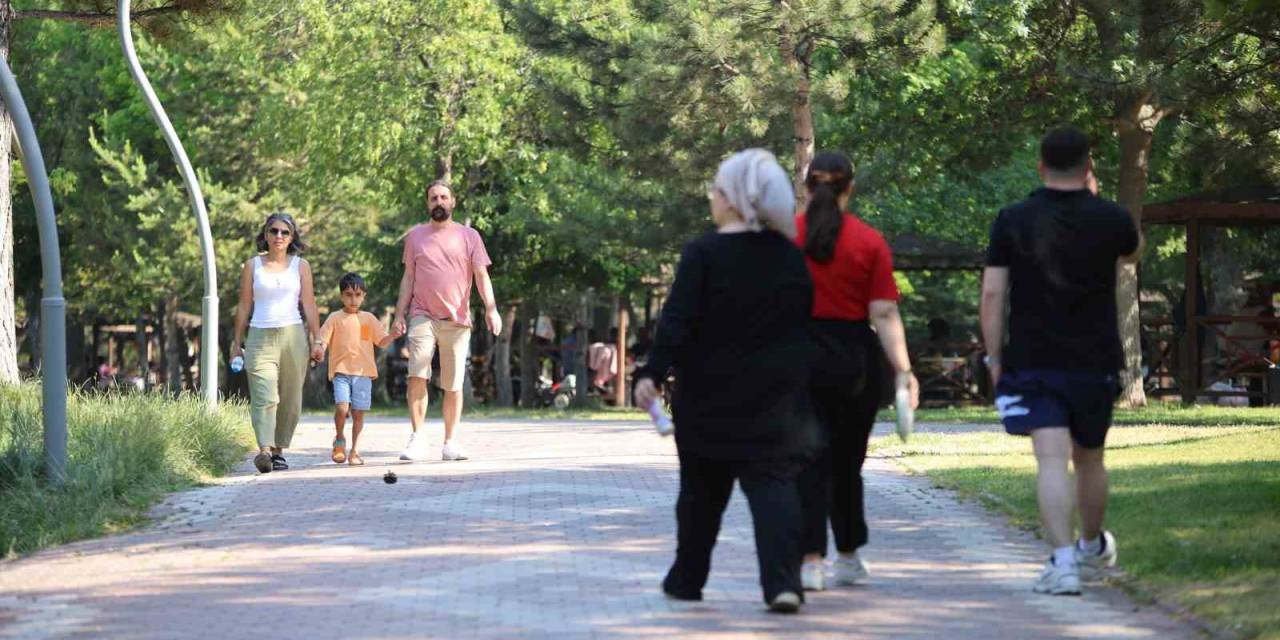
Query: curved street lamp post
x=209, y=310
x=53, y=307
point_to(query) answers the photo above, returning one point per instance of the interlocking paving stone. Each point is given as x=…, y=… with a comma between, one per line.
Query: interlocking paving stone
x=553, y=529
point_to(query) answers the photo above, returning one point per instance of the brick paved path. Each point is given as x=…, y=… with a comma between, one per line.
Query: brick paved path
x=552, y=530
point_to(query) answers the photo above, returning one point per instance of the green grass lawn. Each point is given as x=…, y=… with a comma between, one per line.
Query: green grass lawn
x=1154, y=414
x=1157, y=414
x=1196, y=509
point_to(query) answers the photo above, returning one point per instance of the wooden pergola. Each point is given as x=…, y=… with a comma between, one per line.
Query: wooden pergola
x=919, y=253
x=947, y=369
x=1236, y=208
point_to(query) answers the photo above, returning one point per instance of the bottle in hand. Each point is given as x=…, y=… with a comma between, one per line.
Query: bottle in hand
x=905, y=414
x=661, y=421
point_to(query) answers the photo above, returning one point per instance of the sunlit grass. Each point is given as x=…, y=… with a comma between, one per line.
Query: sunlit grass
x=1196, y=508
x=1154, y=414
x=125, y=453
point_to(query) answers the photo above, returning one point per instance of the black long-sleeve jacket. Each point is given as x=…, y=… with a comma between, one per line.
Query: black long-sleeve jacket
x=734, y=331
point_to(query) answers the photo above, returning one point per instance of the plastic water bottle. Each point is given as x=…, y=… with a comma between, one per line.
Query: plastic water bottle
x=905, y=414
x=661, y=421
x=237, y=364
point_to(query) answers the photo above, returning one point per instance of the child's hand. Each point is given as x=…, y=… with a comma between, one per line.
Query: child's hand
x=317, y=353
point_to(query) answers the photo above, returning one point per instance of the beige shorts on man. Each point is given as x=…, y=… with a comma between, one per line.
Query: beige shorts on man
x=453, y=340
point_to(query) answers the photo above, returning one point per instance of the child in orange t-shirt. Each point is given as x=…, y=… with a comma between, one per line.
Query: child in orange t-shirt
x=350, y=335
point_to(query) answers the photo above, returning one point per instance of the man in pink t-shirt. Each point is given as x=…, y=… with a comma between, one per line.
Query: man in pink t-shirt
x=441, y=259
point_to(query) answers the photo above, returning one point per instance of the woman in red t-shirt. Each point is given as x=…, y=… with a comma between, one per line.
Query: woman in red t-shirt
x=853, y=291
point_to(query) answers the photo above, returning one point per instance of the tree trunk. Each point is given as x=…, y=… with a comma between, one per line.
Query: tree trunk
x=444, y=167
x=1135, y=128
x=1223, y=278
x=1223, y=273
x=801, y=109
x=620, y=384
x=226, y=382
x=502, y=360
x=77, y=363
x=8, y=313
x=380, y=393
x=528, y=358
x=172, y=343
x=583, y=385
x=140, y=337
x=188, y=363
x=162, y=338
x=32, y=332
x=96, y=345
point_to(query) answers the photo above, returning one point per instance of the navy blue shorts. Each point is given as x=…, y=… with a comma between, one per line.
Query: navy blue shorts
x=1030, y=399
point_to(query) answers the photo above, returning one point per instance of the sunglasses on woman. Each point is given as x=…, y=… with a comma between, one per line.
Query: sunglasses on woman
x=283, y=233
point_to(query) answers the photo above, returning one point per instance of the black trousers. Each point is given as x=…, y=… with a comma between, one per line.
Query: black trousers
x=705, y=487
x=831, y=487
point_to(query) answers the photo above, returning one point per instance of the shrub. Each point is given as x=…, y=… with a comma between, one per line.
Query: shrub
x=124, y=453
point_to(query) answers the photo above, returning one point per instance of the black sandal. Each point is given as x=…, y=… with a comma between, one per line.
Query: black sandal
x=278, y=463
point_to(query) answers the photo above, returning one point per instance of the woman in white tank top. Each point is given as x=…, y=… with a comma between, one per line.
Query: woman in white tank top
x=276, y=285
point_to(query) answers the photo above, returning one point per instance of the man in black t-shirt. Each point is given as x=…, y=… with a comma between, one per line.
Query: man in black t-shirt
x=1052, y=259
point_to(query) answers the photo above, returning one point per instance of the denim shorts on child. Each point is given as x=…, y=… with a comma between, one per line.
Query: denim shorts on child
x=357, y=390
x=1030, y=399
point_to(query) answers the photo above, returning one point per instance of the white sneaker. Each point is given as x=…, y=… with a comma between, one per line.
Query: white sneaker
x=414, y=450
x=785, y=602
x=1058, y=582
x=1105, y=558
x=850, y=569
x=452, y=451
x=813, y=575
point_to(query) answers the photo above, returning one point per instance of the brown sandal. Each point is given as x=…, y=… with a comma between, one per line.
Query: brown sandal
x=355, y=460
x=339, y=450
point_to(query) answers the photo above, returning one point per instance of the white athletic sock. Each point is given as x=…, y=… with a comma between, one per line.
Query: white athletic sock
x=1093, y=546
x=1064, y=557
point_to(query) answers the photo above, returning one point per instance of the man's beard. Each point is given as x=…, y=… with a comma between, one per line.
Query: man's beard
x=440, y=214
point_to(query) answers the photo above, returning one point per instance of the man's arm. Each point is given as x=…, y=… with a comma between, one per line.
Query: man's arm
x=484, y=284
x=991, y=312
x=887, y=320
x=400, y=326
x=1142, y=245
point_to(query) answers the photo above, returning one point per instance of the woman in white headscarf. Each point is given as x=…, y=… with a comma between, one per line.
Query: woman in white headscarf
x=734, y=331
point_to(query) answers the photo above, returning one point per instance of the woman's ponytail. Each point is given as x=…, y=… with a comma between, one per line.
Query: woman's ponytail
x=830, y=174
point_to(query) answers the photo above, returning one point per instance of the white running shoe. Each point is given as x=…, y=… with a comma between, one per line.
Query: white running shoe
x=850, y=569
x=813, y=575
x=415, y=449
x=452, y=451
x=785, y=602
x=1105, y=558
x=1058, y=582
